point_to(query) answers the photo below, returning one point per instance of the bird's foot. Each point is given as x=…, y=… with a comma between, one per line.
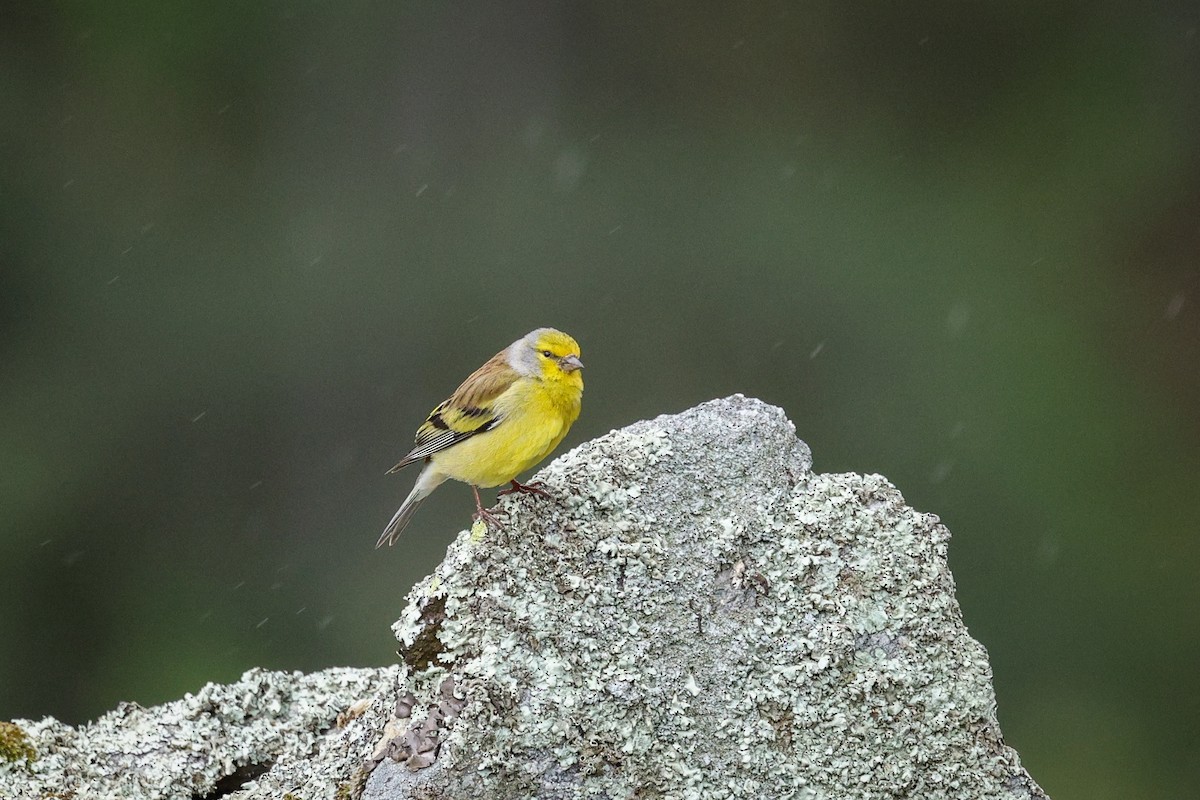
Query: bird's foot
x=490, y=519
x=536, y=488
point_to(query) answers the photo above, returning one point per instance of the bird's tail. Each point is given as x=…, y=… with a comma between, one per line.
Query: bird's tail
x=426, y=483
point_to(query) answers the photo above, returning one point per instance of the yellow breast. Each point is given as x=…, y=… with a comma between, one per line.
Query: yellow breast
x=535, y=414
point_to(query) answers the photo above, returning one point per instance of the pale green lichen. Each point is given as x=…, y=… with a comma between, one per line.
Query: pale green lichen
x=695, y=614
x=698, y=615
x=184, y=748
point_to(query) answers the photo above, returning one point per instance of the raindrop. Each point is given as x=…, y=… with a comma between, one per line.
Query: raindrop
x=1048, y=550
x=1175, y=305
x=569, y=168
x=942, y=470
x=957, y=318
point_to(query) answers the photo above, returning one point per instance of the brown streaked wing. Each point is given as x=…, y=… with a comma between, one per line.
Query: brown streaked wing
x=466, y=413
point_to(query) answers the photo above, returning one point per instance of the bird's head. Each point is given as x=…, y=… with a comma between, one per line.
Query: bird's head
x=548, y=354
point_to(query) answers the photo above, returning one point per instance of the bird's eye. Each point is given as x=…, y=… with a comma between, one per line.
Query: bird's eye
x=547, y=354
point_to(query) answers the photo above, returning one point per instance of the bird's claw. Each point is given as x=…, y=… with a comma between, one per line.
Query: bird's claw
x=536, y=488
x=489, y=518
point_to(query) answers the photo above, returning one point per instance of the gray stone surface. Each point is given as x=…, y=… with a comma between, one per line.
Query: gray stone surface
x=694, y=615
x=208, y=743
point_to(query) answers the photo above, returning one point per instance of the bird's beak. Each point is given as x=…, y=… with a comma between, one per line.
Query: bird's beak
x=570, y=363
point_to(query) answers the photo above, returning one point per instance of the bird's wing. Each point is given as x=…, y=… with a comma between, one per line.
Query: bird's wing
x=469, y=411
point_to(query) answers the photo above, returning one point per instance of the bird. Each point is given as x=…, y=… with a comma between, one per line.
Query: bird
x=506, y=417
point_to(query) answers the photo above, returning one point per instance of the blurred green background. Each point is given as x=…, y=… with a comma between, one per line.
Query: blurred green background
x=246, y=247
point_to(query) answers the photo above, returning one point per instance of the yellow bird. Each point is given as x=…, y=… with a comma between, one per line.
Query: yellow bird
x=501, y=421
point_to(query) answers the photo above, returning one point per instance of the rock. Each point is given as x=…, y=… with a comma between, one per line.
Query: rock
x=699, y=615
x=695, y=614
x=208, y=744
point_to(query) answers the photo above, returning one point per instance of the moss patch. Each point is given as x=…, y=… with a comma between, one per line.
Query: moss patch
x=14, y=744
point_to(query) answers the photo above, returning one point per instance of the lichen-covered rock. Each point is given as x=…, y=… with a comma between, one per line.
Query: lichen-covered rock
x=695, y=614
x=210, y=743
x=698, y=615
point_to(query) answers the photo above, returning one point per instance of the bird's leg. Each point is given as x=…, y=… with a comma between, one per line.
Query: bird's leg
x=533, y=487
x=489, y=519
